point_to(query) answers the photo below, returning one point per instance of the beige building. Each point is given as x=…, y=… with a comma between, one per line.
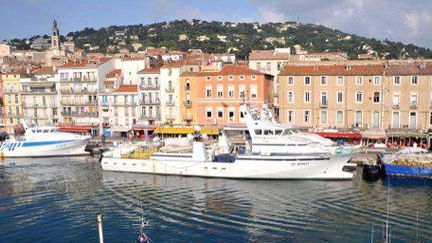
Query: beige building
x=389, y=95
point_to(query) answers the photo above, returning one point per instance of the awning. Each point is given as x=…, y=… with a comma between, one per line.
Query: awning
x=143, y=127
x=341, y=135
x=374, y=134
x=407, y=134
x=185, y=130
x=75, y=128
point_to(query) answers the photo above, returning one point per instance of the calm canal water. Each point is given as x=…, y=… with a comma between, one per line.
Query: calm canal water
x=56, y=200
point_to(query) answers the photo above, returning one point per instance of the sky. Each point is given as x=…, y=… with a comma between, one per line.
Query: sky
x=408, y=21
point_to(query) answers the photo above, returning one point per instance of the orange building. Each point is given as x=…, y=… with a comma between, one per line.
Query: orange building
x=214, y=98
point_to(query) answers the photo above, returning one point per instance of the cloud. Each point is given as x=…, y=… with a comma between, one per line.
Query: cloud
x=270, y=15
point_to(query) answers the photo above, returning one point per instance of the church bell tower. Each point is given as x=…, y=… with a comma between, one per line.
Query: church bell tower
x=55, y=39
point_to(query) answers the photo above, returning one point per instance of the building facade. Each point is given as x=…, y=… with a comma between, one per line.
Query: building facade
x=149, y=92
x=366, y=96
x=12, y=100
x=214, y=98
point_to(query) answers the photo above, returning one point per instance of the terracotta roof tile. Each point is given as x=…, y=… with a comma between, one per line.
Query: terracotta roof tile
x=126, y=89
x=45, y=70
x=332, y=70
x=150, y=70
x=226, y=70
x=268, y=55
x=114, y=73
x=409, y=69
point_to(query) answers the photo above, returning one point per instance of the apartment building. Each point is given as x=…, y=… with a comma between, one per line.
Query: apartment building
x=271, y=62
x=12, y=100
x=120, y=108
x=170, y=89
x=2, y=114
x=360, y=95
x=149, y=92
x=80, y=84
x=40, y=99
x=214, y=98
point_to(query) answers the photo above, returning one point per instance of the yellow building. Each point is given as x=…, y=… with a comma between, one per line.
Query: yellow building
x=387, y=95
x=12, y=100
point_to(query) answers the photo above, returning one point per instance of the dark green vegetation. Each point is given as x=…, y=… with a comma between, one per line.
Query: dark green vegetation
x=241, y=37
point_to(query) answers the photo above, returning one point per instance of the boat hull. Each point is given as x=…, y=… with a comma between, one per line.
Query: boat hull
x=242, y=168
x=408, y=171
x=25, y=149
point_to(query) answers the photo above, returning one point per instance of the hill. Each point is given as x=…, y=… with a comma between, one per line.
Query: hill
x=239, y=38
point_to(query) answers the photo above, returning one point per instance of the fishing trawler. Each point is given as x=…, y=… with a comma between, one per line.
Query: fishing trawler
x=43, y=141
x=298, y=158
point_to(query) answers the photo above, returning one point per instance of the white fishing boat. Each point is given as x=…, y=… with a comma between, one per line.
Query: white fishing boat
x=303, y=160
x=44, y=141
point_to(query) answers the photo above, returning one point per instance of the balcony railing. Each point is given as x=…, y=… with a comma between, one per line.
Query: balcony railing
x=170, y=117
x=77, y=80
x=187, y=103
x=79, y=103
x=170, y=103
x=12, y=91
x=150, y=86
x=324, y=104
x=396, y=106
x=150, y=102
x=413, y=106
x=39, y=91
x=80, y=114
x=79, y=91
x=151, y=117
x=169, y=89
x=188, y=117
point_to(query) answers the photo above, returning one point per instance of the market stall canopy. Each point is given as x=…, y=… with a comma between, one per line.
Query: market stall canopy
x=340, y=135
x=406, y=134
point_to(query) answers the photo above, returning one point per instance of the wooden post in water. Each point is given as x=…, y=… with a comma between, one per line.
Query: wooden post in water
x=99, y=222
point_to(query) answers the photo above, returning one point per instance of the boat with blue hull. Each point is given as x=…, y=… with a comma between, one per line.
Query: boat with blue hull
x=46, y=141
x=408, y=162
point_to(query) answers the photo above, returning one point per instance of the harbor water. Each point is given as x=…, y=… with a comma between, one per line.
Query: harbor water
x=57, y=199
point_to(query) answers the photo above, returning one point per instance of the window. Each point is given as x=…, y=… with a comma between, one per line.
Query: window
x=339, y=117
x=290, y=118
x=220, y=113
x=377, y=81
x=359, y=97
x=208, y=78
x=219, y=78
x=242, y=91
x=307, y=97
x=430, y=118
x=323, y=117
x=323, y=80
x=208, y=91
x=231, y=91
x=209, y=112
x=358, y=119
x=307, y=81
x=413, y=99
x=230, y=77
x=187, y=85
x=397, y=80
x=376, y=97
x=253, y=91
x=324, y=99
x=306, y=117
x=396, y=99
x=413, y=120
x=395, y=119
x=253, y=77
x=359, y=80
x=268, y=66
x=290, y=80
x=376, y=119
x=231, y=114
x=340, y=80
x=339, y=97
x=414, y=80
x=241, y=77
x=220, y=91
x=290, y=97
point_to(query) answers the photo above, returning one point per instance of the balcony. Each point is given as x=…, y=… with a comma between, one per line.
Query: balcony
x=39, y=91
x=79, y=103
x=150, y=102
x=169, y=89
x=413, y=106
x=324, y=104
x=150, y=86
x=32, y=105
x=79, y=114
x=151, y=117
x=170, y=103
x=12, y=91
x=187, y=103
x=78, y=80
x=188, y=117
x=170, y=118
x=121, y=104
x=78, y=91
x=396, y=106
